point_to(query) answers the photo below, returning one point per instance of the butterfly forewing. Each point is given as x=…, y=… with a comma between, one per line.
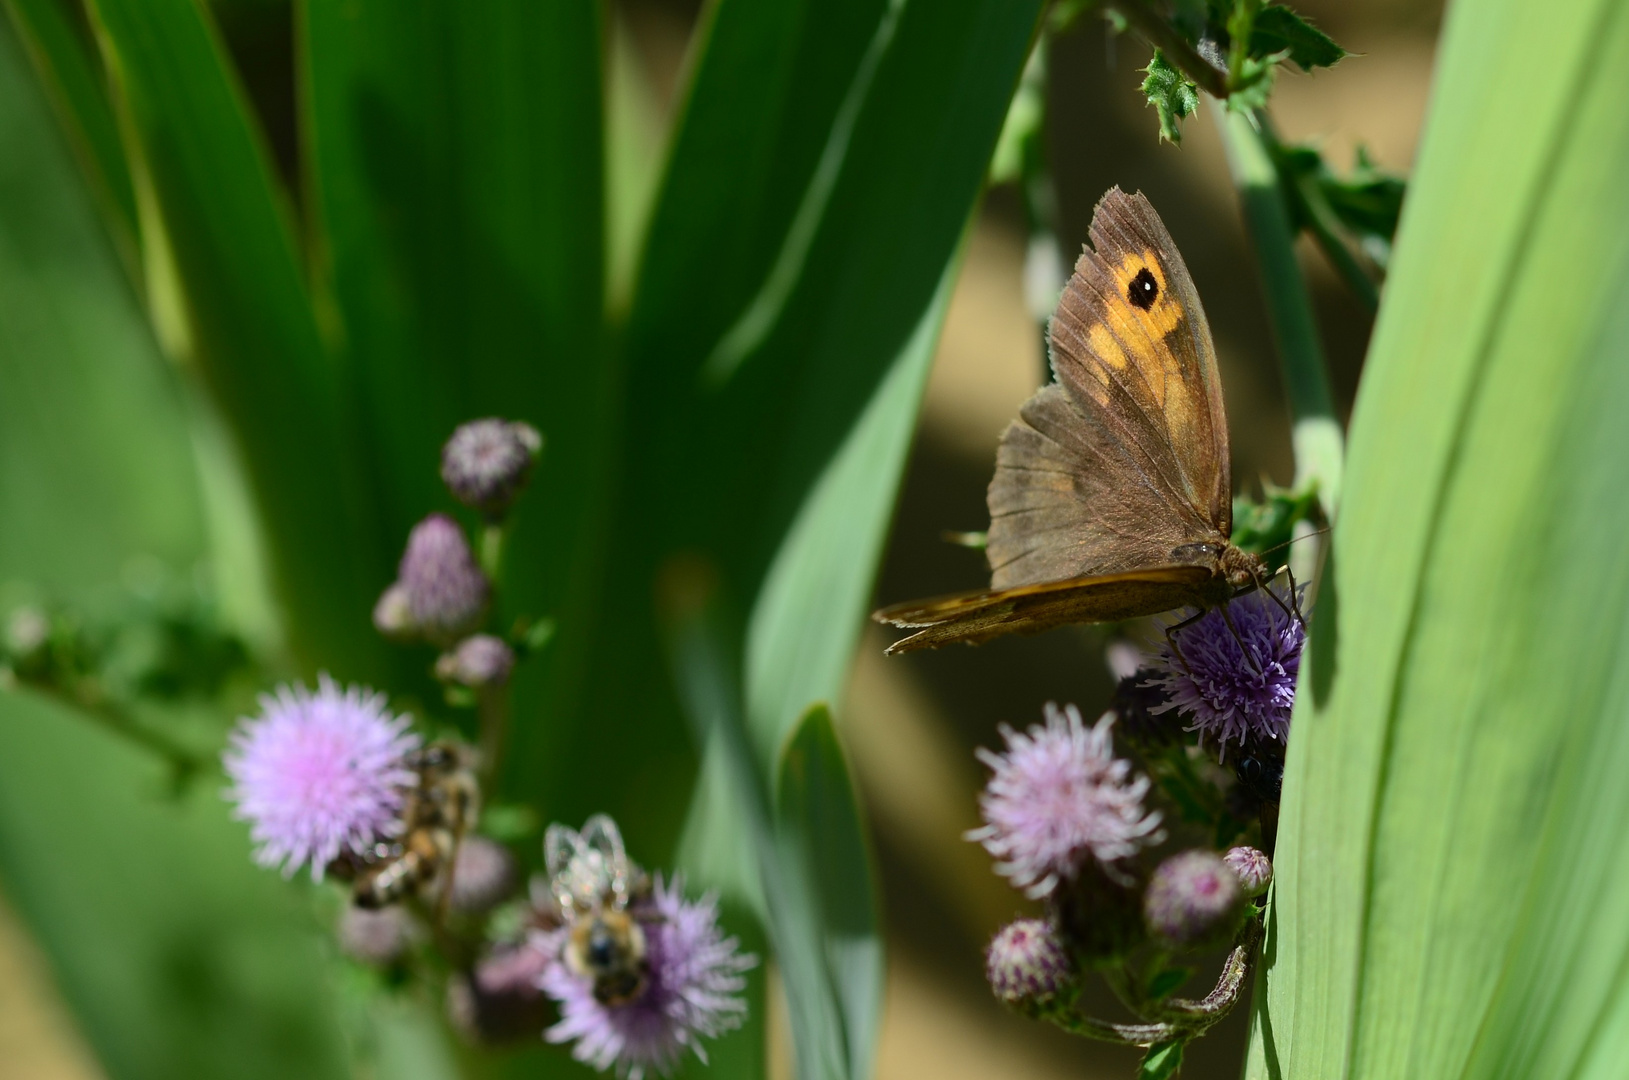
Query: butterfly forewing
x=1112, y=496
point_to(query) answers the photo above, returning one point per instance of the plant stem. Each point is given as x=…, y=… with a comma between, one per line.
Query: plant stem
x=491, y=553
x=492, y=707
x=112, y=717
x=1159, y=33
x=1316, y=434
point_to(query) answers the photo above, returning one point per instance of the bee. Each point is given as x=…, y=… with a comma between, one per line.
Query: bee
x=602, y=899
x=438, y=809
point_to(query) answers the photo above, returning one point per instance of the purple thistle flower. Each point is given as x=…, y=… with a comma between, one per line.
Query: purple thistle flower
x=695, y=973
x=318, y=774
x=446, y=592
x=1058, y=795
x=1230, y=693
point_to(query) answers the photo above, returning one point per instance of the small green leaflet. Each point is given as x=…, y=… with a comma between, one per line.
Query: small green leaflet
x=1280, y=30
x=1172, y=95
x=1161, y=1062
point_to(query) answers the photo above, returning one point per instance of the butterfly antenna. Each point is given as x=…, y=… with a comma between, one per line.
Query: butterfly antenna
x=1293, y=539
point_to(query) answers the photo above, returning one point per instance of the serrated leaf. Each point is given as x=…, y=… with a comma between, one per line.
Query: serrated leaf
x=1277, y=29
x=1171, y=94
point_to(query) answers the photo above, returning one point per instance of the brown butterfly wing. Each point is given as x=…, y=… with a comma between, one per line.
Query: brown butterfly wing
x=1125, y=459
x=976, y=617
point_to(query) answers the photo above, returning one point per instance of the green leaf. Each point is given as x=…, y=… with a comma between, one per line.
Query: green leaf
x=819, y=821
x=1168, y=982
x=1452, y=857
x=1268, y=526
x=456, y=168
x=1277, y=29
x=228, y=297
x=180, y=958
x=1161, y=1062
x=1172, y=95
x=76, y=85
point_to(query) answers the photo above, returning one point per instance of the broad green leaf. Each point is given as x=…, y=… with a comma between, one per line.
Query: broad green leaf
x=820, y=821
x=1451, y=860
x=71, y=72
x=700, y=644
x=455, y=161
x=228, y=296
x=178, y=956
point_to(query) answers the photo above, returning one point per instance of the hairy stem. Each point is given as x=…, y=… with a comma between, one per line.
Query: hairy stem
x=1316, y=434
x=1154, y=29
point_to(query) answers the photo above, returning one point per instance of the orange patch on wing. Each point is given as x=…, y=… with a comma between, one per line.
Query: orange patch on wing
x=1165, y=313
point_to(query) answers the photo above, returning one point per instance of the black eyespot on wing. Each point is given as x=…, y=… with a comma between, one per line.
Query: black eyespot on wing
x=1143, y=290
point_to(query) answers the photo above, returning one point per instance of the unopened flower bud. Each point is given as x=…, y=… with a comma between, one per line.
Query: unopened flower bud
x=478, y=662
x=393, y=614
x=1253, y=868
x=501, y=1000
x=487, y=462
x=1028, y=962
x=379, y=937
x=1194, y=900
x=483, y=876
x=446, y=592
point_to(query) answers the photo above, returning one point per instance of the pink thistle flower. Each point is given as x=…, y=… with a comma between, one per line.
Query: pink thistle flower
x=1057, y=796
x=695, y=975
x=318, y=774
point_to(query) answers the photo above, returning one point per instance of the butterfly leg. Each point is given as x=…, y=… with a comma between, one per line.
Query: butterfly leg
x=1244, y=650
x=1170, y=637
x=1293, y=609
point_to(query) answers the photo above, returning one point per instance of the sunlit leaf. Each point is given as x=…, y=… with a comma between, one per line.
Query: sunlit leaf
x=1451, y=865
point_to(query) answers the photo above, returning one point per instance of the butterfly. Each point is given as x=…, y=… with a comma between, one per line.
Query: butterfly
x=1112, y=496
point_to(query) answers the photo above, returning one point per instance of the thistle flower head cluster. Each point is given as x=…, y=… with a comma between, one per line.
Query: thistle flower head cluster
x=1057, y=796
x=319, y=774
x=1231, y=674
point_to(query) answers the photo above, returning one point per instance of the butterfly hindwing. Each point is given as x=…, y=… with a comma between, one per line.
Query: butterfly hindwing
x=979, y=616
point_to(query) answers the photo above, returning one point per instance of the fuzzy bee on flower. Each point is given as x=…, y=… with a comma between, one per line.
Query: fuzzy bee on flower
x=601, y=897
x=640, y=974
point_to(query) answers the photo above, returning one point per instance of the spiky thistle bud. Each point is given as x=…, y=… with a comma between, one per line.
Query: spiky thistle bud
x=478, y=662
x=487, y=462
x=1254, y=870
x=447, y=594
x=1027, y=962
x=1193, y=900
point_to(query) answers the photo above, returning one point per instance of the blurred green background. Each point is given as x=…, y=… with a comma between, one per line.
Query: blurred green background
x=100, y=472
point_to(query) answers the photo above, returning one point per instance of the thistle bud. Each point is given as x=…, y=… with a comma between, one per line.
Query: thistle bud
x=487, y=462
x=1254, y=870
x=483, y=876
x=393, y=614
x=446, y=592
x=1194, y=900
x=478, y=662
x=379, y=937
x=501, y=1001
x=1027, y=962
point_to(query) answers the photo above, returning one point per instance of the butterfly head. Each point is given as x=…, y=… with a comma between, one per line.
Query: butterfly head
x=1242, y=568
